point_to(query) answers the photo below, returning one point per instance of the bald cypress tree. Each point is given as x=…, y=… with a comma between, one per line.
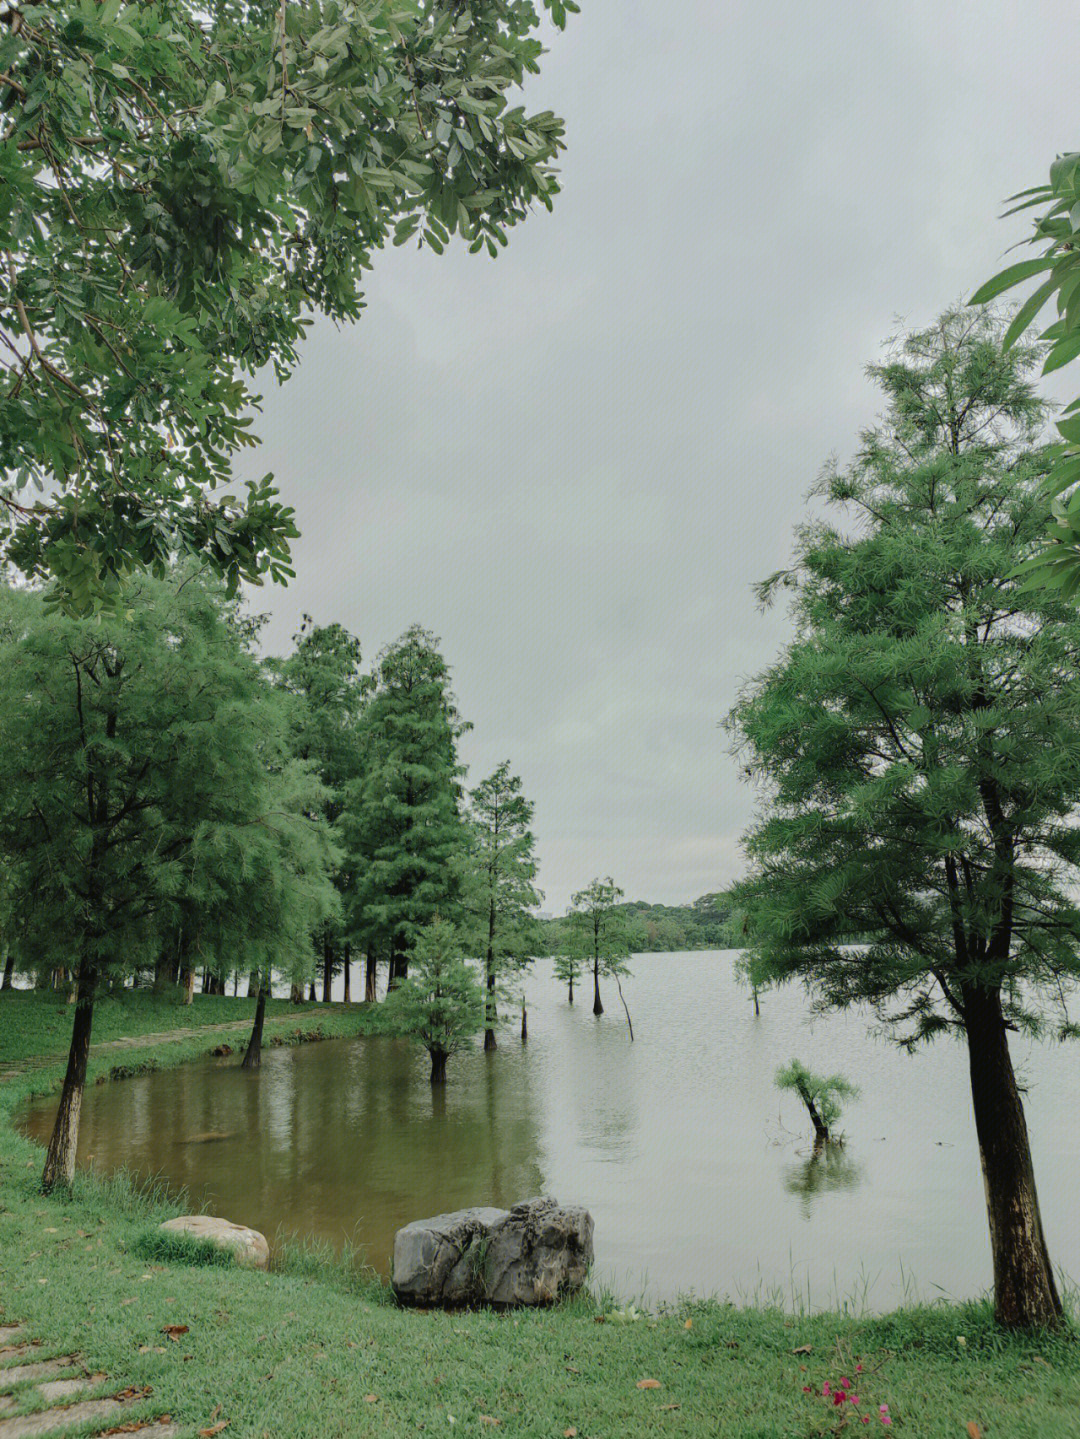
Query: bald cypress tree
x=402, y=824
x=501, y=893
x=916, y=747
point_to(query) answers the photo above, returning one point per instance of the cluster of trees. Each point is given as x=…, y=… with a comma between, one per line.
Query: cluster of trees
x=170, y=804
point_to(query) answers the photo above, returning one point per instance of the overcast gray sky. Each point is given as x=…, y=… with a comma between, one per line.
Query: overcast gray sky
x=572, y=462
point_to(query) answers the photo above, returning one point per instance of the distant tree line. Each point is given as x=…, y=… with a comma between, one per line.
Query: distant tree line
x=707, y=923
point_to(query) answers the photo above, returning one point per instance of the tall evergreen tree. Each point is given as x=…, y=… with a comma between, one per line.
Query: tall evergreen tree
x=916, y=744
x=403, y=819
x=501, y=894
x=323, y=677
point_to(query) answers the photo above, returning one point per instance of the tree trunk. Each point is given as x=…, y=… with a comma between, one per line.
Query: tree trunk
x=60, y=1159
x=571, y=987
x=253, y=1057
x=346, y=967
x=312, y=996
x=490, y=1015
x=327, y=969
x=9, y=971
x=399, y=969
x=757, y=1007
x=1025, y=1295
x=438, y=1066
x=370, y=966
x=524, y=1022
x=253, y=984
x=188, y=977
x=296, y=994
x=597, y=1007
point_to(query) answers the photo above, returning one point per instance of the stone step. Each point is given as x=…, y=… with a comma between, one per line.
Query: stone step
x=64, y=1388
x=10, y=1331
x=45, y=1369
x=60, y=1421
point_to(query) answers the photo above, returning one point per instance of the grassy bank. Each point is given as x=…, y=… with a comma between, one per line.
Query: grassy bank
x=36, y=1024
x=317, y=1348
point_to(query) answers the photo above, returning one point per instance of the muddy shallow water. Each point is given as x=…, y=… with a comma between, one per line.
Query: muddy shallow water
x=699, y=1174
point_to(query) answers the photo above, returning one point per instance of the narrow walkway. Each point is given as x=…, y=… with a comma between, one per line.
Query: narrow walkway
x=14, y=1067
x=26, y=1383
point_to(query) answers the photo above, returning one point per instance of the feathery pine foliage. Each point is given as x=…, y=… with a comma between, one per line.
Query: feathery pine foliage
x=916, y=749
x=402, y=824
x=500, y=891
x=823, y=1095
x=440, y=1003
x=183, y=185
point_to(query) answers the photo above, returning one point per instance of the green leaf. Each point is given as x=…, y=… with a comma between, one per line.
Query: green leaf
x=1027, y=312
x=1014, y=275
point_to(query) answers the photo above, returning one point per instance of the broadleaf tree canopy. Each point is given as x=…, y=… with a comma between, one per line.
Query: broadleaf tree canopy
x=183, y=185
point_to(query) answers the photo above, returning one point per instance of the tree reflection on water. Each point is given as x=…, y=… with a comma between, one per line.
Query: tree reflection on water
x=826, y=1169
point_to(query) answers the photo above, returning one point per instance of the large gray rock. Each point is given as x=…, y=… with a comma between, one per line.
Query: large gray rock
x=531, y=1254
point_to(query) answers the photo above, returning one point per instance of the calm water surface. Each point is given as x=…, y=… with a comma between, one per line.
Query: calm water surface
x=698, y=1173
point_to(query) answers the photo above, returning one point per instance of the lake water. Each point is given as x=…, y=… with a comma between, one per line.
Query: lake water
x=699, y=1174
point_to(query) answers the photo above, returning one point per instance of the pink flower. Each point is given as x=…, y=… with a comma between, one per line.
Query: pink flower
x=858, y=1368
x=825, y=1389
x=866, y=1418
x=846, y=1383
x=839, y=1397
x=806, y=1389
x=854, y=1398
x=884, y=1408
x=885, y=1419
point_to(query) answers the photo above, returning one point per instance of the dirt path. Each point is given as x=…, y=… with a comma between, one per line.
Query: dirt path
x=16, y=1067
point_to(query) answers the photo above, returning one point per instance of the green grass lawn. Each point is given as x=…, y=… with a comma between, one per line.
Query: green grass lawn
x=316, y=1348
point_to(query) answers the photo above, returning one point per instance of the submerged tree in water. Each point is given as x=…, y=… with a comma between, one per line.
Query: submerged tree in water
x=916, y=746
x=440, y=1003
x=823, y=1096
x=599, y=934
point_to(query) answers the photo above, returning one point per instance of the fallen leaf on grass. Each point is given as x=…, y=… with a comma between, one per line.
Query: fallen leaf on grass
x=214, y=1429
x=371, y=1399
x=663, y=1407
x=569, y=1434
x=648, y=1384
x=489, y=1420
x=804, y=1349
x=126, y=1395
x=174, y=1331
x=689, y=1324
x=125, y=1302
x=974, y=1432
x=137, y=1424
